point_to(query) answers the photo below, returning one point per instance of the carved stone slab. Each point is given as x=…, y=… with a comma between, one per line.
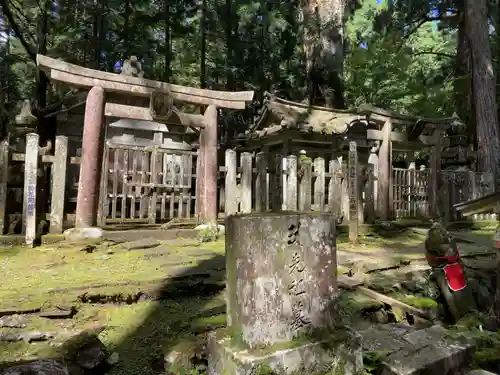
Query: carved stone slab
x=281, y=275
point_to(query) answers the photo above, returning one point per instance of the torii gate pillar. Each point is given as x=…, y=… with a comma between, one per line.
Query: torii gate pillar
x=206, y=185
x=91, y=160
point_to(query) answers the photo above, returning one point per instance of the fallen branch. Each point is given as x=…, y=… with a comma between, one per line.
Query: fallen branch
x=59, y=313
x=13, y=311
x=343, y=283
x=26, y=336
x=65, y=110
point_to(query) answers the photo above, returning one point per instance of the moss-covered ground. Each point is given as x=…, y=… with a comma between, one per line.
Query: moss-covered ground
x=56, y=275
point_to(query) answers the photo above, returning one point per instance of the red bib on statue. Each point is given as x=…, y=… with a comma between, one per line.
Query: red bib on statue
x=455, y=276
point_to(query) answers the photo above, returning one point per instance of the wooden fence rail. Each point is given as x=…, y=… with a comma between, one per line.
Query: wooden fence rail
x=257, y=184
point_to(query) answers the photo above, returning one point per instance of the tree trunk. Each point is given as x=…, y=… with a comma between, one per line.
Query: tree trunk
x=324, y=50
x=96, y=34
x=484, y=98
x=46, y=129
x=203, y=45
x=229, y=45
x=168, y=58
x=126, y=30
x=484, y=93
x=463, y=82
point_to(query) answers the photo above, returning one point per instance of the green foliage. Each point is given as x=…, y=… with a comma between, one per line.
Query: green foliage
x=410, y=76
x=251, y=44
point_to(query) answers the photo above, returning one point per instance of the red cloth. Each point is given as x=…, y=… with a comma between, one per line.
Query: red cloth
x=455, y=276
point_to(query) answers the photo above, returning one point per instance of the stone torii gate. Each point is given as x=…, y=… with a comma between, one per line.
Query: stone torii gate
x=162, y=96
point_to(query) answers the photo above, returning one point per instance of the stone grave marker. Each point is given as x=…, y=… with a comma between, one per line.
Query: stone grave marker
x=281, y=297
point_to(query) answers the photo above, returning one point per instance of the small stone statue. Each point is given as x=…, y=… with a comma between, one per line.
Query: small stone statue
x=443, y=256
x=26, y=117
x=132, y=67
x=440, y=245
x=375, y=146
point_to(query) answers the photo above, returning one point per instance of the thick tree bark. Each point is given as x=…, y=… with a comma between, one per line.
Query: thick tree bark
x=324, y=50
x=484, y=99
x=97, y=33
x=168, y=45
x=463, y=82
x=126, y=30
x=484, y=93
x=203, y=45
x=46, y=128
x=230, y=14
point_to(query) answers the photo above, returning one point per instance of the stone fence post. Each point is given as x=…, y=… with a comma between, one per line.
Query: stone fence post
x=59, y=167
x=30, y=182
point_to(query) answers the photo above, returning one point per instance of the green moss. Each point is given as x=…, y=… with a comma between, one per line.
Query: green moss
x=350, y=304
x=264, y=370
x=419, y=302
x=141, y=333
x=208, y=323
x=338, y=370
x=209, y=234
x=236, y=339
x=372, y=360
x=398, y=314
x=487, y=343
x=342, y=270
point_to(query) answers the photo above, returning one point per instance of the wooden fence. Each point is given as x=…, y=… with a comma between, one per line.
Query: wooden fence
x=29, y=183
x=153, y=184
x=409, y=192
x=139, y=185
x=291, y=184
x=462, y=186
x=254, y=183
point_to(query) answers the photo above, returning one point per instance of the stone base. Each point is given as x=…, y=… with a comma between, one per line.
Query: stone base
x=84, y=235
x=428, y=352
x=342, y=354
x=435, y=359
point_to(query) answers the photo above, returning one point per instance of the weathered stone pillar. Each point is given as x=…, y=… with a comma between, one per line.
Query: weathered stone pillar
x=30, y=188
x=90, y=166
x=200, y=177
x=208, y=163
x=281, y=295
x=373, y=160
x=355, y=203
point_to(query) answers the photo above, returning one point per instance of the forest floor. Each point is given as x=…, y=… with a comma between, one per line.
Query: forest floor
x=145, y=302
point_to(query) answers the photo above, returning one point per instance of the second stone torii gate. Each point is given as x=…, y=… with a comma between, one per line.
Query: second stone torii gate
x=161, y=109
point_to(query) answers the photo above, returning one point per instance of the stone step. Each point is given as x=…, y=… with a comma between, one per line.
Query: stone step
x=429, y=352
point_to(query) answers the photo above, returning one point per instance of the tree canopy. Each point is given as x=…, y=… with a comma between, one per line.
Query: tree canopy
x=409, y=56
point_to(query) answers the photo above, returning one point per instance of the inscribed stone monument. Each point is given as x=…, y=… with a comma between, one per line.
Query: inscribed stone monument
x=281, y=294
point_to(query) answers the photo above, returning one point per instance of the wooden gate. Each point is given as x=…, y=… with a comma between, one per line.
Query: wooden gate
x=409, y=192
x=147, y=185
